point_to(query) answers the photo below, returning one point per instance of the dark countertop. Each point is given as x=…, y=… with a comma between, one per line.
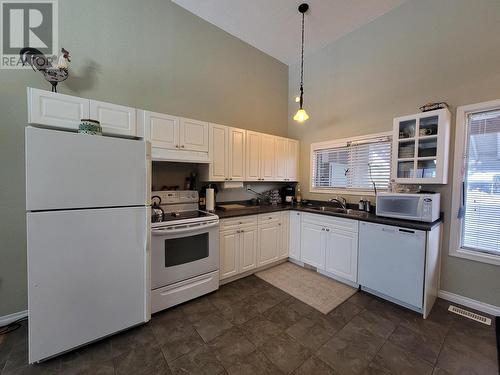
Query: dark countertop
x=369, y=217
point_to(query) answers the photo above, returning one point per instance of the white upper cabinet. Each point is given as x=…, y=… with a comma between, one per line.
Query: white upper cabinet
x=292, y=160
x=421, y=148
x=253, y=144
x=162, y=130
x=267, y=158
x=114, y=118
x=281, y=158
x=193, y=135
x=218, y=141
x=56, y=110
x=237, y=138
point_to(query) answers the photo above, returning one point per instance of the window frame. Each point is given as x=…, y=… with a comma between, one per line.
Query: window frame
x=455, y=248
x=341, y=143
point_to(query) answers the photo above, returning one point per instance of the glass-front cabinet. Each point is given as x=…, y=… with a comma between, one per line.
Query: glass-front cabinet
x=421, y=148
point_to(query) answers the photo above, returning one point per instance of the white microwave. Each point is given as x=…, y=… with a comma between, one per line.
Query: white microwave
x=409, y=206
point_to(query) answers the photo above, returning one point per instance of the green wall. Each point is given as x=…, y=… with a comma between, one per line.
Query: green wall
x=422, y=51
x=146, y=54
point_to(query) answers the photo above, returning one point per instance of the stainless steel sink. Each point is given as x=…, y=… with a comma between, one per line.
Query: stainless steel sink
x=340, y=210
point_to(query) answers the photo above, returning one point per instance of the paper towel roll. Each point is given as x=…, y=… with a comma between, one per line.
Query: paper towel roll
x=210, y=199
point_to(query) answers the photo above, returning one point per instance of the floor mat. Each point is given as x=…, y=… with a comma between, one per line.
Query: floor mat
x=318, y=291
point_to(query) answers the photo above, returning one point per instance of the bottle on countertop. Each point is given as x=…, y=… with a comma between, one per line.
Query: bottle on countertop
x=298, y=196
x=368, y=206
x=361, y=204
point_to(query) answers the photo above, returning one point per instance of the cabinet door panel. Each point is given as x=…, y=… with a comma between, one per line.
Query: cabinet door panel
x=114, y=118
x=342, y=254
x=269, y=239
x=162, y=130
x=295, y=232
x=248, y=249
x=292, y=160
x=285, y=229
x=219, y=152
x=56, y=110
x=253, y=155
x=268, y=157
x=229, y=245
x=313, y=245
x=194, y=135
x=236, y=154
x=281, y=158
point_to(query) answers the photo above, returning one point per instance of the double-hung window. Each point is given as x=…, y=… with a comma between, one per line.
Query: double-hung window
x=476, y=191
x=352, y=166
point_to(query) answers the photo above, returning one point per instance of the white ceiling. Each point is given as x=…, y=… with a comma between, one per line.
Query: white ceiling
x=273, y=26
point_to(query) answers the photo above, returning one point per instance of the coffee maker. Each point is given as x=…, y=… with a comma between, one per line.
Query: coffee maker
x=288, y=194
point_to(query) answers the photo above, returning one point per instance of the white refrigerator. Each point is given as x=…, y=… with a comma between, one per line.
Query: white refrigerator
x=88, y=231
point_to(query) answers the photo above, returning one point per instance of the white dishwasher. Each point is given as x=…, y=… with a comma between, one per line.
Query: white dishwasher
x=392, y=263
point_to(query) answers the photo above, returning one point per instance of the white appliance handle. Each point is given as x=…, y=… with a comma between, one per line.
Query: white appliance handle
x=183, y=228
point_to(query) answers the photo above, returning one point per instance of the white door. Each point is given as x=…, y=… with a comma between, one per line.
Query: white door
x=313, y=245
x=295, y=229
x=248, y=249
x=57, y=110
x=269, y=240
x=236, y=154
x=268, y=157
x=114, y=118
x=285, y=229
x=86, y=276
x=292, y=160
x=281, y=147
x=162, y=130
x=229, y=245
x=194, y=135
x=253, y=155
x=71, y=170
x=342, y=253
x=219, y=166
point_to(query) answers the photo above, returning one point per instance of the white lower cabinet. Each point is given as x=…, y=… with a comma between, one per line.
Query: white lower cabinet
x=269, y=241
x=330, y=244
x=285, y=235
x=313, y=240
x=342, y=253
x=229, y=243
x=248, y=249
x=294, y=234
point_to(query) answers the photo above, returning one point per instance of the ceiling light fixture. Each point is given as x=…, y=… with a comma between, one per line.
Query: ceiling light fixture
x=301, y=114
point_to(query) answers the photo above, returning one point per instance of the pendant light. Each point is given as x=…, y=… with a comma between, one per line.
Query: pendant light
x=301, y=114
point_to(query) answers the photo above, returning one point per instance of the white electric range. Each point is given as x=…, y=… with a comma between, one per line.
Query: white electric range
x=184, y=250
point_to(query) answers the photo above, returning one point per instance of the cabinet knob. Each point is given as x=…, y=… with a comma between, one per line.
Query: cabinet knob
x=176, y=146
x=182, y=146
x=231, y=178
x=298, y=214
x=241, y=222
x=322, y=229
x=242, y=231
x=328, y=230
x=238, y=231
x=279, y=223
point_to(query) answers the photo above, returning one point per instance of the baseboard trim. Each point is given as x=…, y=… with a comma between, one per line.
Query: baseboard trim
x=469, y=302
x=7, y=319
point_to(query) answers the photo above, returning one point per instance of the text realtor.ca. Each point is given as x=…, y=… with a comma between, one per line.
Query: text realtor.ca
x=27, y=24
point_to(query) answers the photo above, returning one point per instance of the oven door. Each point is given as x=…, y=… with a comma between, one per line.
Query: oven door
x=180, y=252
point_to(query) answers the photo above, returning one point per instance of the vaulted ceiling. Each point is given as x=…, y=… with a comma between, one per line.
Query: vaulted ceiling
x=273, y=26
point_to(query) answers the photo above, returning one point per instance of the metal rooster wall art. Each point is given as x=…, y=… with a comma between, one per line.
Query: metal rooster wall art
x=53, y=73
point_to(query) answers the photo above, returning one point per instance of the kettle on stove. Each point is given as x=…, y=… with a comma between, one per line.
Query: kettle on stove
x=156, y=211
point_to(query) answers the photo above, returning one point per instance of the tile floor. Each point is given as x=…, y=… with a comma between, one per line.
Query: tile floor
x=250, y=327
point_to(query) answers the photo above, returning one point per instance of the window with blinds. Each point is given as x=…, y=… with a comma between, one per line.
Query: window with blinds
x=352, y=165
x=481, y=190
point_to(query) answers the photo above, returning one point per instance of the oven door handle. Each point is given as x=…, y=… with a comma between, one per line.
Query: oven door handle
x=183, y=228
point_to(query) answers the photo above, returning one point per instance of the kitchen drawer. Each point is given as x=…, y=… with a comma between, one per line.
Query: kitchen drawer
x=238, y=222
x=270, y=218
x=333, y=222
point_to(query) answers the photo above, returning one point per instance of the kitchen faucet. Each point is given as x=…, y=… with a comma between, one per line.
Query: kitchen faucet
x=340, y=200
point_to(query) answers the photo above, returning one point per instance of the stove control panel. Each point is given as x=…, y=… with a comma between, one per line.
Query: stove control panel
x=176, y=196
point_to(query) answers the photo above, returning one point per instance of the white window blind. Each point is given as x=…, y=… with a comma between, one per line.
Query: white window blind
x=353, y=165
x=481, y=190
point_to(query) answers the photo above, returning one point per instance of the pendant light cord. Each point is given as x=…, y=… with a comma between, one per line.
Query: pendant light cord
x=302, y=66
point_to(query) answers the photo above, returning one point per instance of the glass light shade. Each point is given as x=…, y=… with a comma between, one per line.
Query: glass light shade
x=301, y=115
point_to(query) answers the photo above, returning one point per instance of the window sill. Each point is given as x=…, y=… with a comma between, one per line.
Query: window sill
x=476, y=256
x=364, y=193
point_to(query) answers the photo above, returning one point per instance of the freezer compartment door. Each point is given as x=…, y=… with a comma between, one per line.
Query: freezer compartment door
x=392, y=262
x=87, y=276
x=70, y=170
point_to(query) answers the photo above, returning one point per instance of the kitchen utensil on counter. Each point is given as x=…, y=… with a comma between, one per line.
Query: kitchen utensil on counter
x=156, y=211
